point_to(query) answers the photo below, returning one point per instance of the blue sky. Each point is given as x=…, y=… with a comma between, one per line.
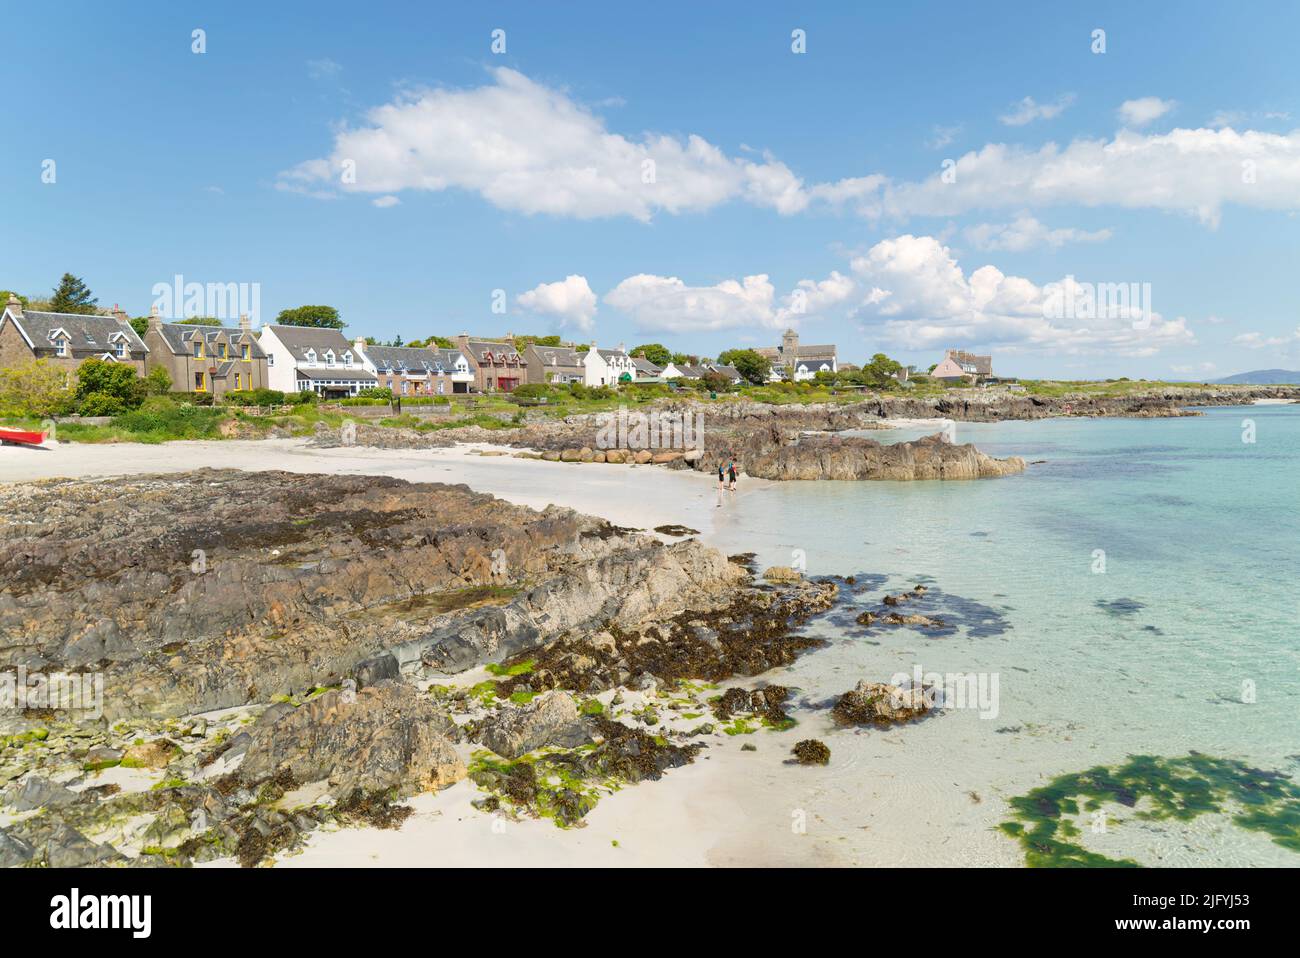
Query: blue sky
x=788, y=188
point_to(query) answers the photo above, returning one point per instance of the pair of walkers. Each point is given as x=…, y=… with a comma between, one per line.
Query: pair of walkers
x=727, y=475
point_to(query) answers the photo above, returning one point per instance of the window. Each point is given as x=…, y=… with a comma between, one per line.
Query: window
x=120, y=349
x=200, y=384
x=60, y=347
x=329, y=357
x=246, y=353
x=198, y=350
x=311, y=356
x=406, y=387
x=347, y=359
x=270, y=359
x=225, y=351
x=239, y=383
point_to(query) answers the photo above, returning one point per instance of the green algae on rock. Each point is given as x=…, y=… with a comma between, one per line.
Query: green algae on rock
x=1157, y=789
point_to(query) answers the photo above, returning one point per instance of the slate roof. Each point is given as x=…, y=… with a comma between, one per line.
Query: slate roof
x=412, y=359
x=478, y=350
x=645, y=366
x=299, y=339
x=556, y=355
x=86, y=333
x=180, y=338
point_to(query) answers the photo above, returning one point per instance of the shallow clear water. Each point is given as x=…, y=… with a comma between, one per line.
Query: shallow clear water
x=1188, y=639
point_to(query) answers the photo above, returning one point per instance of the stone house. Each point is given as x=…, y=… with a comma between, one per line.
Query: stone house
x=554, y=364
x=67, y=340
x=215, y=360
x=497, y=366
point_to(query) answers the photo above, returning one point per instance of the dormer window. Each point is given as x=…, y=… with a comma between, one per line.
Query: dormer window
x=119, y=349
x=347, y=358
x=311, y=356
x=329, y=357
x=246, y=353
x=225, y=351
x=60, y=347
x=198, y=349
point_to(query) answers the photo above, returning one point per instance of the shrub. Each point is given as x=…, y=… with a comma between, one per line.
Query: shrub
x=34, y=389
x=256, y=397
x=160, y=418
x=100, y=404
x=304, y=398
x=376, y=392
x=158, y=382
x=115, y=387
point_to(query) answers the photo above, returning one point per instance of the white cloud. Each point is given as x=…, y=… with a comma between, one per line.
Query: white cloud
x=922, y=299
x=811, y=297
x=1029, y=109
x=665, y=303
x=384, y=202
x=571, y=301
x=528, y=148
x=532, y=149
x=941, y=136
x=1194, y=369
x=1025, y=233
x=1144, y=110
x=1189, y=171
x=1264, y=341
x=322, y=68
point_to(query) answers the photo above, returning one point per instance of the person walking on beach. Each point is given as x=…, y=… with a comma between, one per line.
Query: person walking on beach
x=721, y=476
x=731, y=475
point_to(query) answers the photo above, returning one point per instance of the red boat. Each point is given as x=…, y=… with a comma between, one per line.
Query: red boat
x=20, y=437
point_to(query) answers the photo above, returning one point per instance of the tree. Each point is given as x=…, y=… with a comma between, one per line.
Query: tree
x=140, y=324
x=105, y=388
x=320, y=317
x=523, y=342
x=581, y=348
x=72, y=296
x=656, y=353
x=199, y=321
x=4, y=299
x=754, y=367
x=37, y=388
x=685, y=359
x=880, y=371
x=716, y=382
x=158, y=382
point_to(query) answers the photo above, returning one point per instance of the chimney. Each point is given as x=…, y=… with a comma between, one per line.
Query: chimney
x=244, y=322
x=15, y=305
x=463, y=342
x=359, y=344
x=154, y=319
x=622, y=347
x=119, y=313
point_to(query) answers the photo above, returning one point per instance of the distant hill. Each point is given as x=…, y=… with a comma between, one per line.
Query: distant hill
x=1260, y=377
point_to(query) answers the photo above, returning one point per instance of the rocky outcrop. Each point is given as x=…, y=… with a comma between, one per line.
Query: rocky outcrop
x=876, y=703
x=776, y=454
x=550, y=719
x=211, y=589
x=386, y=739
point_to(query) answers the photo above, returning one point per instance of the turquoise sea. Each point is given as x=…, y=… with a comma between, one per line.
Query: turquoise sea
x=1135, y=594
